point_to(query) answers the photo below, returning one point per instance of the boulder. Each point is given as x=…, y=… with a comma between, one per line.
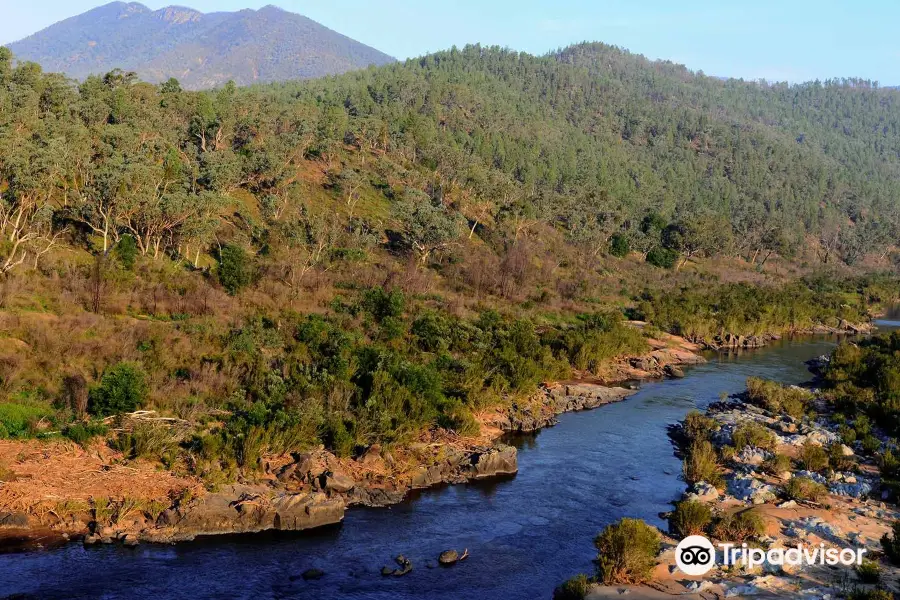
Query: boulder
x=846, y=450
x=313, y=574
x=130, y=540
x=674, y=371
x=338, y=482
x=500, y=459
x=448, y=557
x=386, y=571
x=91, y=539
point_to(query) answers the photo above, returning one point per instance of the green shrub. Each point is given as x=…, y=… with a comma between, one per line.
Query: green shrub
x=869, y=572
x=890, y=543
x=147, y=440
x=777, y=398
x=848, y=434
x=876, y=594
x=777, y=464
x=702, y=464
x=813, y=457
x=751, y=433
x=804, y=488
x=619, y=246
x=126, y=251
x=837, y=460
x=80, y=433
x=690, y=517
x=123, y=388
x=739, y=527
x=627, y=552
x=234, y=269
x=662, y=257
x=698, y=426
x=21, y=420
x=575, y=588
x=871, y=444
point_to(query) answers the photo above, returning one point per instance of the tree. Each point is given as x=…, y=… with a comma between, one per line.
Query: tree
x=122, y=389
x=427, y=225
x=234, y=270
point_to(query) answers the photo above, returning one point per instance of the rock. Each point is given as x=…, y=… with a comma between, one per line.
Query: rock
x=703, y=492
x=13, y=520
x=500, y=459
x=448, y=557
x=750, y=489
x=751, y=456
x=674, y=372
x=338, y=482
x=313, y=574
x=91, y=539
x=846, y=450
x=788, y=504
x=130, y=540
x=387, y=571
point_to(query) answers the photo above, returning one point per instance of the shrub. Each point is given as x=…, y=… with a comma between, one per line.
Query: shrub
x=871, y=444
x=126, y=251
x=84, y=432
x=777, y=464
x=627, y=552
x=123, y=388
x=147, y=440
x=690, y=517
x=813, y=457
x=890, y=543
x=804, y=488
x=876, y=594
x=619, y=246
x=869, y=572
x=777, y=398
x=234, y=268
x=738, y=527
x=702, y=464
x=662, y=257
x=575, y=588
x=698, y=426
x=753, y=434
x=837, y=460
x=847, y=433
x=21, y=420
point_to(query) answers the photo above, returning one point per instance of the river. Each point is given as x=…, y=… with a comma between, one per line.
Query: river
x=525, y=534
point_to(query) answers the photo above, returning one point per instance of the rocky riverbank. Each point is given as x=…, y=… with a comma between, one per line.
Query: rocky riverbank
x=60, y=489
x=849, y=512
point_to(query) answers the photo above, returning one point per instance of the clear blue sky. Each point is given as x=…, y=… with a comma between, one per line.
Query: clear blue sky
x=792, y=40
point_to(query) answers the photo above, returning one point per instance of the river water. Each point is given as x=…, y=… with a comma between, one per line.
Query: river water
x=525, y=534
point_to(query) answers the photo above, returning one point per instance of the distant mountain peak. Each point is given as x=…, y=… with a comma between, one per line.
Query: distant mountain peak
x=200, y=49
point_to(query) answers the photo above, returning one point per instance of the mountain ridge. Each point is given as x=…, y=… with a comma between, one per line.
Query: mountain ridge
x=201, y=50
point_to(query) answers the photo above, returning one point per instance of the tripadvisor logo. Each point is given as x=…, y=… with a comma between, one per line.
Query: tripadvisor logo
x=695, y=555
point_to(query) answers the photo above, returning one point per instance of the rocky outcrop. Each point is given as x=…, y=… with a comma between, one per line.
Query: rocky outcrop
x=246, y=509
x=552, y=400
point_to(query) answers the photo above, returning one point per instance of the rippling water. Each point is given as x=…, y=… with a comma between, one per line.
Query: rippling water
x=525, y=534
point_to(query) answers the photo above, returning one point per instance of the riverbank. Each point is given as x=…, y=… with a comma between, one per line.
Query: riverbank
x=846, y=512
x=54, y=491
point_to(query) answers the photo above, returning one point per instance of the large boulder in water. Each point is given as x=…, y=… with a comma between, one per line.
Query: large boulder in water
x=448, y=557
x=498, y=460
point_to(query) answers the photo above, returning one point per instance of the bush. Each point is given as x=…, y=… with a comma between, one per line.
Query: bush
x=871, y=444
x=738, y=527
x=690, y=517
x=122, y=389
x=876, y=594
x=147, y=440
x=234, y=268
x=753, y=434
x=869, y=572
x=698, y=426
x=777, y=398
x=777, y=464
x=627, y=552
x=126, y=251
x=891, y=543
x=813, y=457
x=21, y=420
x=619, y=246
x=575, y=588
x=837, y=460
x=80, y=433
x=662, y=257
x=804, y=488
x=702, y=464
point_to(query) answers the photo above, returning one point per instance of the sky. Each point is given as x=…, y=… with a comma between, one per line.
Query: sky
x=781, y=40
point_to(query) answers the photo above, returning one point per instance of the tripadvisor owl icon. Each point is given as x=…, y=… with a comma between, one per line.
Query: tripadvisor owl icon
x=695, y=555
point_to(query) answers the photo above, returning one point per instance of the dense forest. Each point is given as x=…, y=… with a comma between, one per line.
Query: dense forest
x=352, y=259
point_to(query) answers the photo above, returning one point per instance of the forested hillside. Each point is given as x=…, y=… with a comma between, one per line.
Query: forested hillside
x=352, y=259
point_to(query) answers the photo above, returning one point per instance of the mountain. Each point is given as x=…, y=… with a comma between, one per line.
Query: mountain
x=200, y=50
